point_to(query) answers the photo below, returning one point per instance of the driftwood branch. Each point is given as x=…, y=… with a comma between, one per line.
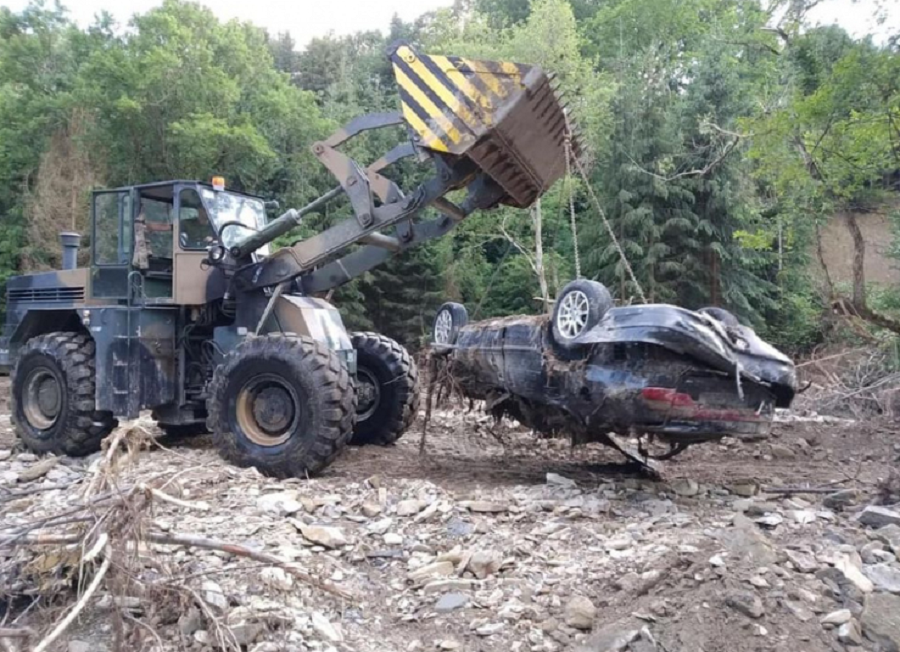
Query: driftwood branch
x=82, y=601
x=191, y=540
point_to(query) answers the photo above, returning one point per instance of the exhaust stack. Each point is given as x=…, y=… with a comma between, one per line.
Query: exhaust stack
x=70, y=244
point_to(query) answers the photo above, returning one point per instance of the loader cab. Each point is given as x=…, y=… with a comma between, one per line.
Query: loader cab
x=154, y=238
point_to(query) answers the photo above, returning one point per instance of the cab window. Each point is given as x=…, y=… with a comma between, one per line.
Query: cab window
x=112, y=228
x=194, y=228
x=157, y=216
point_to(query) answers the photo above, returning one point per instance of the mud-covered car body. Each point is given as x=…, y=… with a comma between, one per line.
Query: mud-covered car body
x=683, y=376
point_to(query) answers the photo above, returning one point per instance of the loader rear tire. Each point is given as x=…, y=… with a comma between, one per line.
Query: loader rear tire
x=285, y=405
x=387, y=389
x=53, y=389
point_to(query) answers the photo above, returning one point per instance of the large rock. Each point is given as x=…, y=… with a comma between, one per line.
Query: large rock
x=849, y=633
x=685, y=487
x=484, y=506
x=745, y=542
x=800, y=611
x=324, y=535
x=781, y=452
x=279, y=504
x=890, y=534
x=838, y=617
x=580, y=613
x=878, y=517
x=881, y=621
x=326, y=628
x=804, y=562
x=854, y=574
x=843, y=589
x=841, y=499
x=434, y=569
x=451, y=601
x=610, y=640
x=484, y=563
x=884, y=577
x=410, y=507
x=745, y=602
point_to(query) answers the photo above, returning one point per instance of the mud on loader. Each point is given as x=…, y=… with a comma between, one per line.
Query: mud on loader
x=185, y=310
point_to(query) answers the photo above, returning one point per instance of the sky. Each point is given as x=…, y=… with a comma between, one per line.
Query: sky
x=305, y=19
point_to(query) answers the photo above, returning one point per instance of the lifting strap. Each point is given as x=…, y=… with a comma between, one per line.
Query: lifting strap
x=606, y=223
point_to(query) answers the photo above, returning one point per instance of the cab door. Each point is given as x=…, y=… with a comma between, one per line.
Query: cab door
x=112, y=216
x=196, y=283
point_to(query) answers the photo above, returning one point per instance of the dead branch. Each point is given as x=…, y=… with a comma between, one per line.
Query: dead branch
x=200, y=505
x=191, y=540
x=827, y=489
x=432, y=366
x=82, y=601
x=15, y=494
x=709, y=167
x=20, y=632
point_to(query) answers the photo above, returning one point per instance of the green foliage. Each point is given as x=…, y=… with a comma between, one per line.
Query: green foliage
x=715, y=146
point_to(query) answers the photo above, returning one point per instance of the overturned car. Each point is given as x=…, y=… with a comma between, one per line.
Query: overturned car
x=593, y=371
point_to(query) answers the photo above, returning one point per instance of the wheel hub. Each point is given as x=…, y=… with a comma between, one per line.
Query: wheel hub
x=442, y=327
x=43, y=398
x=368, y=394
x=272, y=409
x=573, y=314
x=267, y=410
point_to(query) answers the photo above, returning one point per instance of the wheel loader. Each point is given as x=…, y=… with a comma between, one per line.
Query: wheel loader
x=186, y=311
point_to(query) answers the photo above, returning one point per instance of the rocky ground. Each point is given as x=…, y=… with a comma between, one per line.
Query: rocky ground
x=495, y=541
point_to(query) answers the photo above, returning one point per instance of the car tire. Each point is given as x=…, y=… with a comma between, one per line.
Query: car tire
x=387, y=389
x=721, y=315
x=285, y=405
x=448, y=321
x=53, y=390
x=578, y=308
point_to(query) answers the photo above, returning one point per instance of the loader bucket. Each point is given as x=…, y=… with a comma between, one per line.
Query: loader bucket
x=505, y=117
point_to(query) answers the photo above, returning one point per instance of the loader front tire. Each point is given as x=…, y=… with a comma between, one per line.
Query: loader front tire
x=53, y=391
x=387, y=389
x=284, y=404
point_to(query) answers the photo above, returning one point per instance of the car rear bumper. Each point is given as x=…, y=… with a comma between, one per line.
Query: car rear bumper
x=681, y=418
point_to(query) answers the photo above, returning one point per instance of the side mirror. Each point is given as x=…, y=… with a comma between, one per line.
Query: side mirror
x=272, y=205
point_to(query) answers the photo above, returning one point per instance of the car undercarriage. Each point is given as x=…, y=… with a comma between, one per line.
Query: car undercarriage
x=657, y=372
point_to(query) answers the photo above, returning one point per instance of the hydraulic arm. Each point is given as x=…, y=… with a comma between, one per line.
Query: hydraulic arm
x=495, y=130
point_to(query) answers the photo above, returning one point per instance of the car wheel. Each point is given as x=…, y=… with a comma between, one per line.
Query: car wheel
x=721, y=315
x=578, y=308
x=448, y=321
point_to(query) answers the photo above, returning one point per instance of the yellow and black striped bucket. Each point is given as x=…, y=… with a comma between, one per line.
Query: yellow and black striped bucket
x=506, y=117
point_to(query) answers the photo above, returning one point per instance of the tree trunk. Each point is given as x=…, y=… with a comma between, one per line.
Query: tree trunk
x=820, y=254
x=538, y=219
x=859, y=259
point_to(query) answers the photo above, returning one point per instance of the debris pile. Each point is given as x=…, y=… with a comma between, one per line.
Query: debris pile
x=175, y=549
